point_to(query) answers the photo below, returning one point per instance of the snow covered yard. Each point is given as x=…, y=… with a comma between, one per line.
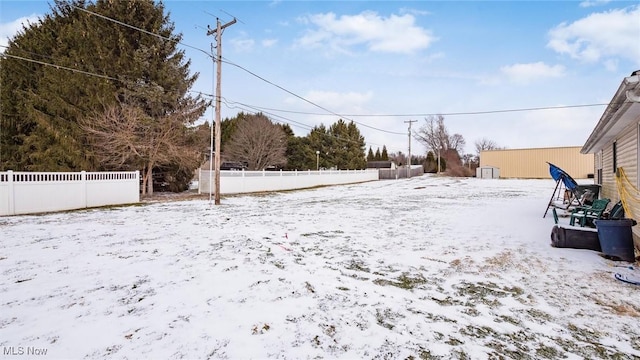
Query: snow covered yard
x=426, y=268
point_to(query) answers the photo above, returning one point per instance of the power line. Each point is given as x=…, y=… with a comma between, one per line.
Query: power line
x=306, y=100
x=236, y=65
x=141, y=30
x=328, y=112
x=439, y=113
x=249, y=109
x=61, y=67
x=264, y=109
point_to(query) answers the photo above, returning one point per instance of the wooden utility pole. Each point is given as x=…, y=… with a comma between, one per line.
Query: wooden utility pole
x=218, y=32
x=409, y=161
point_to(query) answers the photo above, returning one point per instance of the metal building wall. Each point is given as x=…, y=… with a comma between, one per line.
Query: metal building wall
x=532, y=163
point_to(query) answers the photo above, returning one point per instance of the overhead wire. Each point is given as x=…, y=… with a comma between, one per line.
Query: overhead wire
x=267, y=109
x=328, y=112
x=88, y=73
x=238, y=66
x=249, y=109
x=246, y=107
x=61, y=67
x=443, y=113
x=307, y=100
x=141, y=30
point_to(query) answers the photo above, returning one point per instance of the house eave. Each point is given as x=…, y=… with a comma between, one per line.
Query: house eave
x=622, y=111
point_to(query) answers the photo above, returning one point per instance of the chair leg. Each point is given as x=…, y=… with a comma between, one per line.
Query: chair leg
x=555, y=215
x=572, y=220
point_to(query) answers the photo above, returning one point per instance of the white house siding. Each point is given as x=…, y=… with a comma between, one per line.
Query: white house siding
x=626, y=151
x=620, y=124
x=627, y=159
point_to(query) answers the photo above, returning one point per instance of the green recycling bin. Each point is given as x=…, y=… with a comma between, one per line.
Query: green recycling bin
x=616, y=238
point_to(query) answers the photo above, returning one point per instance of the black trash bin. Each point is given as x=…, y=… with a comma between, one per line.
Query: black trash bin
x=616, y=238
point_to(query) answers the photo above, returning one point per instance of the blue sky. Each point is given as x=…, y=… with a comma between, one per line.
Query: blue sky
x=382, y=63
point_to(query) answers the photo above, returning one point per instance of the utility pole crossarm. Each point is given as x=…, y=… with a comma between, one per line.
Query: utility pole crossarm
x=222, y=27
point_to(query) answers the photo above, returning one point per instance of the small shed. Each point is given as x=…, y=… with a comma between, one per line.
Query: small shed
x=488, y=172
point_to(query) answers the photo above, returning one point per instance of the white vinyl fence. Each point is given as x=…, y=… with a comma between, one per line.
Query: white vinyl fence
x=237, y=182
x=401, y=172
x=36, y=192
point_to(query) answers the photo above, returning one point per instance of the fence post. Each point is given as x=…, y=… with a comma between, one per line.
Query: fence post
x=12, y=208
x=83, y=183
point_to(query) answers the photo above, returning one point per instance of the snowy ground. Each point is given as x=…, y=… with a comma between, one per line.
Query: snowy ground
x=430, y=268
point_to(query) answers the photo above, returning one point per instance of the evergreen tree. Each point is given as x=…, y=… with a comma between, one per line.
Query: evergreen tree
x=341, y=146
x=378, y=156
x=42, y=103
x=48, y=103
x=356, y=158
x=370, y=156
x=429, y=164
x=346, y=146
x=320, y=140
x=384, y=156
x=227, y=128
x=299, y=154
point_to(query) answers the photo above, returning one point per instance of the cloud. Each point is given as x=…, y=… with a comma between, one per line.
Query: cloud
x=414, y=11
x=393, y=34
x=527, y=73
x=336, y=101
x=10, y=29
x=242, y=44
x=563, y=127
x=269, y=42
x=591, y=3
x=433, y=57
x=600, y=36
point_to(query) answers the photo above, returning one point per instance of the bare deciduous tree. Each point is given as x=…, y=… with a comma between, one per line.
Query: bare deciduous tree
x=434, y=136
x=125, y=137
x=258, y=142
x=469, y=160
x=485, y=144
x=399, y=158
x=457, y=143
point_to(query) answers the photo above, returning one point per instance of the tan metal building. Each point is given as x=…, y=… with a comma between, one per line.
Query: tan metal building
x=532, y=163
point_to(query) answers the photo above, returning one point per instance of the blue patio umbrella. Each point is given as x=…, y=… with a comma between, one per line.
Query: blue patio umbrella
x=561, y=177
